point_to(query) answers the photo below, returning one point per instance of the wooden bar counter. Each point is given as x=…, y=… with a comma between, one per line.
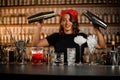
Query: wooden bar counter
x=58, y=72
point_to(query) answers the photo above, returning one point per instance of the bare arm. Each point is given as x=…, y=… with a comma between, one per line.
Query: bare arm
x=37, y=42
x=101, y=40
x=100, y=37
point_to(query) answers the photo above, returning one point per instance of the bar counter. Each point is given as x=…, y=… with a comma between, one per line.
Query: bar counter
x=21, y=71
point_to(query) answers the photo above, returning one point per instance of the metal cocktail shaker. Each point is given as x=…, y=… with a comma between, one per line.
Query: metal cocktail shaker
x=96, y=20
x=41, y=16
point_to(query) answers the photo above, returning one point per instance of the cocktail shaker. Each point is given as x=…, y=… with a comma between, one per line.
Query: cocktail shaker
x=96, y=20
x=41, y=16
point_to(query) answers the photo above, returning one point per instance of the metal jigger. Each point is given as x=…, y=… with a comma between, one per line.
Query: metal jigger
x=114, y=54
x=114, y=58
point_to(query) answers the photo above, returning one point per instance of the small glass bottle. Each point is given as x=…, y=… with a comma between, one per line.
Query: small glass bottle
x=114, y=55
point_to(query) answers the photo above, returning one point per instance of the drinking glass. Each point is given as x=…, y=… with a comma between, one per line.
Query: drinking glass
x=58, y=58
x=37, y=55
x=71, y=52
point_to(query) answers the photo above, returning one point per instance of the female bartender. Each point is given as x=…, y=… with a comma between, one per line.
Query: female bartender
x=68, y=30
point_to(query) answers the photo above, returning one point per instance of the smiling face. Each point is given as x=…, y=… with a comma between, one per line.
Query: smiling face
x=66, y=24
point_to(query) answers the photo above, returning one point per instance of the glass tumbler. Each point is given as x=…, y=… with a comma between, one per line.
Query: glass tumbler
x=37, y=55
x=71, y=52
x=58, y=59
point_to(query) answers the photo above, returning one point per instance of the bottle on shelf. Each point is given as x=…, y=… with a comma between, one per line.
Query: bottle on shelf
x=117, y=38
x=111, y=57
x=114, y=54
x=113, y=45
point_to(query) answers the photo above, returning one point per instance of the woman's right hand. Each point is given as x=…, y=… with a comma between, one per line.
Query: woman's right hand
x=37, y=31
x=40, y=23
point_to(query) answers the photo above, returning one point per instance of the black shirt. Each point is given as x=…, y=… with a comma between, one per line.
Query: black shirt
x=62, y=42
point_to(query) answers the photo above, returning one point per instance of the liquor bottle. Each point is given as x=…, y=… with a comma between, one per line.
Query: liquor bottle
x=113, y=45
x=109, y=38
x=114, y=55
x=110, y=59
x=117, y=37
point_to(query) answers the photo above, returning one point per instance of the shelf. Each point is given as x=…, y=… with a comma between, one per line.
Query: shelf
x=113, y=24
x=13, y=3
x=64, y=5
x=109, y=45
x=20, y=25
x=28, y=45
x=53, y=25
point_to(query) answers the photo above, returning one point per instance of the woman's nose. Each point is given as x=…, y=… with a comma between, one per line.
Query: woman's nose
x=67, y=22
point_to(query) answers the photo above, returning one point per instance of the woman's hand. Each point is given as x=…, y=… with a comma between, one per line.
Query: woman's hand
x=40, y=24
x=37, y=31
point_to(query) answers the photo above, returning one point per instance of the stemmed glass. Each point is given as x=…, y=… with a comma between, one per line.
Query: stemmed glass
x=80, y=54
x=80, y=40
